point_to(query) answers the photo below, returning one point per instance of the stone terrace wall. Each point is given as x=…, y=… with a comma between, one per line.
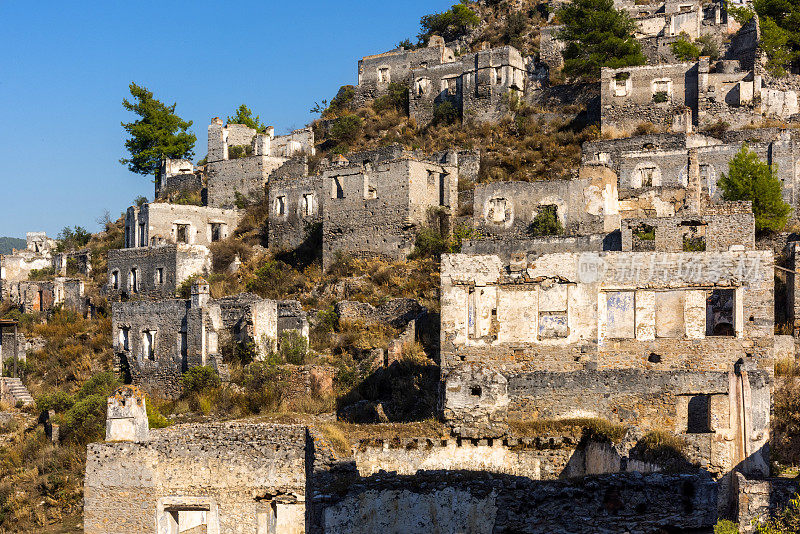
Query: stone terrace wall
x=454, y=502
x=232, y=470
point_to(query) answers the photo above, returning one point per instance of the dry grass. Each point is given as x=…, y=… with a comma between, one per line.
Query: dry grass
x=661, y=444
x=594, y=426
x=787, y=367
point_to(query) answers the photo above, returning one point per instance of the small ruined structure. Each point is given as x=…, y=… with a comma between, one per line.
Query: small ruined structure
x=478, y=85
x=154, y=272
x=160, y=223
x=241, y=160
x=43, y=295
x=179, y=177
x=296, y=206
x=16, y=267
x=376, y=209
x=156, y=342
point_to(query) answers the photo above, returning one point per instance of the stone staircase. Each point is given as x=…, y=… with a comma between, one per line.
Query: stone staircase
x=14, y=392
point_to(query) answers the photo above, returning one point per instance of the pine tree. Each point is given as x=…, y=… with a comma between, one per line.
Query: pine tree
x=749, y=178
x=159, y=133
x=245, y=116
x=597, y=35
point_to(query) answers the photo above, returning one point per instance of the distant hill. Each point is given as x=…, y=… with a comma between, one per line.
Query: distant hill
x=9, y=243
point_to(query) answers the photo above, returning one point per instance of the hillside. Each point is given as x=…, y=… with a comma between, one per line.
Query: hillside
x=7, y=244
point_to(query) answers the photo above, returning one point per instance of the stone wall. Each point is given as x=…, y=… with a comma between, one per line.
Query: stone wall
x=228, y=477
x=296, y=206
x=154, y=272
x=713, y=232
x=376, y=210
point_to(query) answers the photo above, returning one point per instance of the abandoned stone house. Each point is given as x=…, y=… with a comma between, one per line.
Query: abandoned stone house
x=179, y=176
x=16, y=267
x=650, y=165
x=296, y=206
x=736, y=90
x=477, y=84
x=160, y=222
x=241, y=160
x=44, y=295
x=658, y=25
x=376, y=209
x=154, y=272
x=156, y=342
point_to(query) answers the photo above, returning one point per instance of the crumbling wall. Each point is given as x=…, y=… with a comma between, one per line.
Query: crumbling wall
x=296, y=206
x=377, y=210
x=160, y=222
x=242, y=476
x=157, y=271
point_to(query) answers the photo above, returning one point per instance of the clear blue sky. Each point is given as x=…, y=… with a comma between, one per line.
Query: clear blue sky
x=66, y=67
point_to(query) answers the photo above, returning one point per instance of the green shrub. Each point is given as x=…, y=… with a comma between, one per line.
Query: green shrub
x=546, y=222
x=239, y=151
x=58, y=400
x=396, y=98
x=293, y=347
x=450, y=25
x=694, y=244
x=429, y=244
x=343, y=99
x=346, y=129
x=710, y=47
x=100, y=384
x=444, y=113
x=184, y=290
x=660, y=97
x=155, y=419
x=46, y=273
x=785, y=521
x=645, y=232
x=684, y=49
x=84, y=422
x=200, y=379
x=726, y=527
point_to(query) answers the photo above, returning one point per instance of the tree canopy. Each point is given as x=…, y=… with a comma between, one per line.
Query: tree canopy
x=596, y=36
x=749, y=178
x=780, y=31
x=245, y=116
x=450, y=25
x=159, y=133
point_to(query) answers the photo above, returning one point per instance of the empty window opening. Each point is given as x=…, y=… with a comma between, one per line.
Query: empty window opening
x=124, y=337
x=471, y=319
x=694, y=237
x=698, y=420
x=183, y=345
x=546, y=221
x=133, y=282
x=383, y=75
x=553, y=325
x=142, y=235
x=280, y=206
x=308, y=204
x=159, y=275
x=647, y=176
x=475, y=391
x=720, y=304
x=182, y=233
x=148, y=344
x=190, y=520
x=643, y=238
x=216, y=232
x=442, y=188
x=115, y=279
x=336, y=190
x=621, y=83
x=654, y=358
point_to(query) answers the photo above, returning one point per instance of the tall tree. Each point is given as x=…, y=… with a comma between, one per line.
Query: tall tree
x=749, y=178
x=245, y=116
x=159, y=133
x=596, y=36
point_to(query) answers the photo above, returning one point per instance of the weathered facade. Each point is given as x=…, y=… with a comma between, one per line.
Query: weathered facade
x=154, y=272
x=17, y=267
x=156, y=342
x=160, y=223
x=681, y=342
x=296, y=206
x=377, y=209
x=241, y=160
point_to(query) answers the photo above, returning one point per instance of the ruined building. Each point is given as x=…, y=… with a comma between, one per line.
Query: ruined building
x=17, y=266
x=241, y=160
x=478, y=85
x=162, y=223
x=156, y=342
x=376, y=209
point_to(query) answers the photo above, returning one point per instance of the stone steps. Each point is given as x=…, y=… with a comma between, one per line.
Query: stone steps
x=18, y=391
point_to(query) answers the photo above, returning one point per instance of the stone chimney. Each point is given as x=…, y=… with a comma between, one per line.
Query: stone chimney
x=201, y=293
x=126, y=418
